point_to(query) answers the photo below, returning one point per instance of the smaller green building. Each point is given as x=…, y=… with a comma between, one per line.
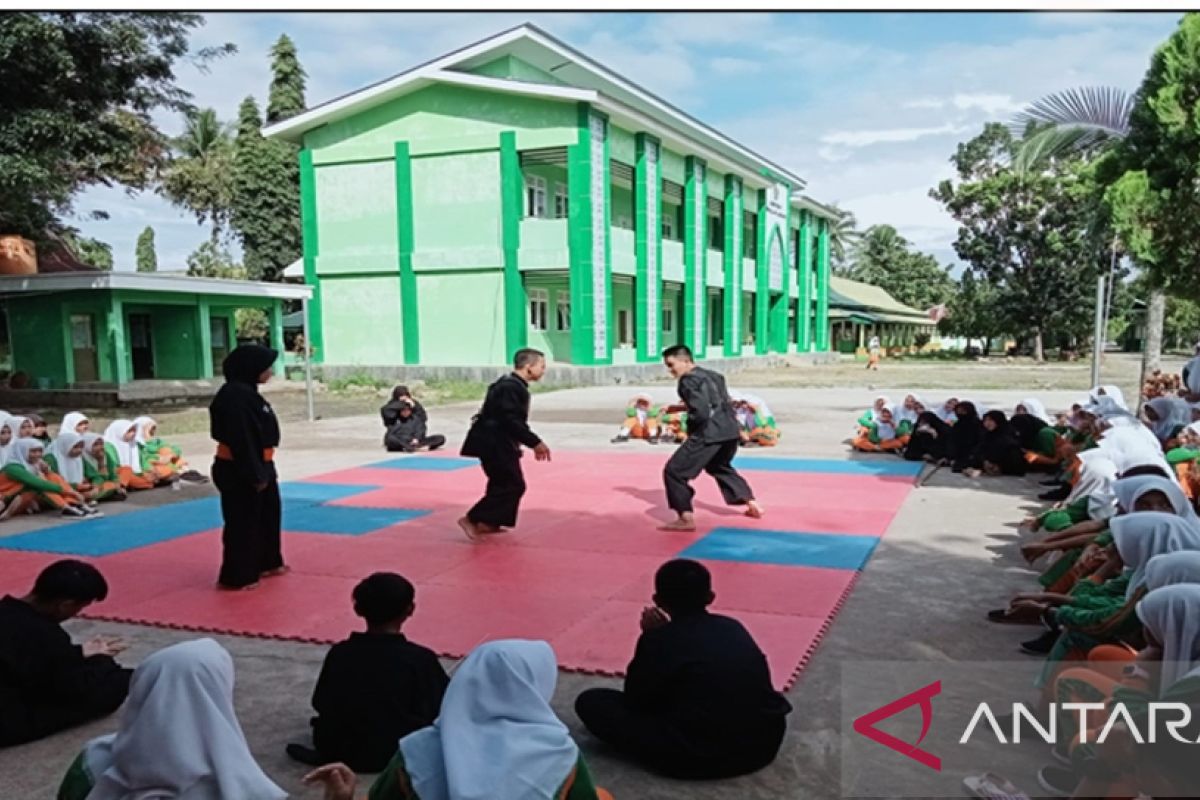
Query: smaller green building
x=81, y=330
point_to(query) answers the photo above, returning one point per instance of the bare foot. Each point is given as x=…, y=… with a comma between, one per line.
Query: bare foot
x=16, y=506
x=754, y=510
x=485, y=528
x=275, y=573
x=469, y=528
x=247, y=588
x=679, y=525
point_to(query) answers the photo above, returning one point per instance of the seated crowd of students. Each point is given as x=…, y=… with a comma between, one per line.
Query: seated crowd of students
x=76, y=469
x=698, y=703
x=649, y=422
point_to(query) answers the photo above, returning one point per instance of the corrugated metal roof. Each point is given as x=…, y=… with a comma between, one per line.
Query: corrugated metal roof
x=855, y=295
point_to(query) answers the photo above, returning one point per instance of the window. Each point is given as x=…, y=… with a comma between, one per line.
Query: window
x=749, y=234
x=716, y=233
x=625, y=327
x=563, y=312
x=668, y=223
x=539, y=303
x=668, y=318
x=535, y=196
x=219, y=332
x=560, y=201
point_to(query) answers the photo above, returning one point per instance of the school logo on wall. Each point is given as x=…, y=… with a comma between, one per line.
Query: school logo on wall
x=777, y=198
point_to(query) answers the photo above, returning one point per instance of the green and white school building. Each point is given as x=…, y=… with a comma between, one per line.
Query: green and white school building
x=517, y=193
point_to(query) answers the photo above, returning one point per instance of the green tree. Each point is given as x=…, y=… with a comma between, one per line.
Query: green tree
x=147, y=258
x=92, y=252
x=266, y=197
x=971, y=312
x=1033, y=236
x=211, y=260
x=78, y=90
x=199, y=176
x=843, y=235
x=286, y=98
x=886, y=259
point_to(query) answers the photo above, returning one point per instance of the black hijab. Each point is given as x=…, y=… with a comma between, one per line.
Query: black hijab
x=247, y=362
x=1027, y=427
x=965, y=435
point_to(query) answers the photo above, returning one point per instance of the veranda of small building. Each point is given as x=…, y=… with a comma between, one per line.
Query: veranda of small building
x=518, y=194
x=86, y=330
x=860, y=311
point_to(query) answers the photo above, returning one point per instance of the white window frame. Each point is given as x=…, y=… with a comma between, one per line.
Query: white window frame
x=668, y=225
x=668, y=318
x=627, y=333
x=562, y=312
x=539, y=308
x=535, y=196
x=562, y=203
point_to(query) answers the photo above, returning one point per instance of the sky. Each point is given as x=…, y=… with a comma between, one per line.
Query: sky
x=868, y=107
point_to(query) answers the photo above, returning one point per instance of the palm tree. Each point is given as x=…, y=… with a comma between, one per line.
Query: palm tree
x=199, y=175
x=1086, y=121
x=843, y=235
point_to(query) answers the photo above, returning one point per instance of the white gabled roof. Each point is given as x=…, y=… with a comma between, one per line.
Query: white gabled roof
x=149, y=282
x=585, y=80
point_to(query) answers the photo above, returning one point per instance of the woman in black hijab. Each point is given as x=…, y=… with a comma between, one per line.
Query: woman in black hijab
x=247, y=433
x=999, y=451
x=930, y=440
x=965, y=436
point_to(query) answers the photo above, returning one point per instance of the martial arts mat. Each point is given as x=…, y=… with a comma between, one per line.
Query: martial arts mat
x=576, y=572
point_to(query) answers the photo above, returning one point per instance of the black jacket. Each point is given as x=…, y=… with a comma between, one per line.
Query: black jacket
x=403, y=431
x=391, y=412
x=502, y=424
x=711, y=417
x=240, y=418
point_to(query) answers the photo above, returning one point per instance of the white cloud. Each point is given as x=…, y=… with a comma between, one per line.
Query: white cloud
x=866, y=138
x=925, y=102
x=991, y=104
x=735, y=66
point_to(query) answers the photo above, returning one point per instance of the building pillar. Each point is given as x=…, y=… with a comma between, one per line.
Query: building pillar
x=804, y=312
x=275, y=312
x=410, y=323
x=822, y=321
x=311, y=248
x=516, y=327
x=118, y=341
x=588, y=218
x=648, y=198
x=695, y=260
x=204, y=338
x=732, y=262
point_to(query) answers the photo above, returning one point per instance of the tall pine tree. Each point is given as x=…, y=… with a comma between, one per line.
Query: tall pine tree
x=267, y=173
x=147, y=259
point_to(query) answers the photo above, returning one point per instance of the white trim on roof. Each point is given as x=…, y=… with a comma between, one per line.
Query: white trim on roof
x=150, y=282
x=515, y=87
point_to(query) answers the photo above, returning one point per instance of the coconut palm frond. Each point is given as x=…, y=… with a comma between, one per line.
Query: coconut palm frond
x=1073, y=121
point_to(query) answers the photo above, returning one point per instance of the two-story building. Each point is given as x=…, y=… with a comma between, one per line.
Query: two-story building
x=518, y=193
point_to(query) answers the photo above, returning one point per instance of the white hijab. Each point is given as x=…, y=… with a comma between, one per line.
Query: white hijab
x=1172, y=616
x=902, y=413
x=1172, y=568
x=886, y=403
x=1132, y=446
x=1172, y=412
x=69, y=467
x=1141, y=536
x=71, y=421
x=142, y=423
x=17, y=451
x=179, y=738
x=126, y=451
x=886, y=430
x=496, y=736
x=13, y=423
x=757, y=403
x=1096, y=474
x=945, y=413
x=89, y=441
x=1111, y=391
x=1035, y=408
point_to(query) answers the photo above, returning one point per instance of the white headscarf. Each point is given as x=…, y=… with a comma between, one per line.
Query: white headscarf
x=142, y=423
x=1129, y=490
x=89, y=441
x=17, y=451
x=886, y=430
x=179, y=738
x=71, y=421
x=886, y=404
x=1096, y=474
x=69, y=467
x=1035, y=408
x=1111, y=391
x=1172, y=412
x=126, y=451
x=903, y=413
x=944, y=413
x=496, y=736
x=1172, y=568
x=1141, y=536
x=760, y=406
x=1172, y=616
x=1133, y=446
x=13, y=423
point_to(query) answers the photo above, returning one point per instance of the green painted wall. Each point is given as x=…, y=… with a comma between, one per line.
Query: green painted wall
x=39, y=346
x=513, y=68
x=356, y=218
x=456, y=210
x=462, y=318
x=174, y=340
x=362, y=320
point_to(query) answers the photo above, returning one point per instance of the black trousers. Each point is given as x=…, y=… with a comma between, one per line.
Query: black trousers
x=692, y=458
x=28, y=722
x=251, y=541
x=505, y=488
x=431, y=442
x=664, y=747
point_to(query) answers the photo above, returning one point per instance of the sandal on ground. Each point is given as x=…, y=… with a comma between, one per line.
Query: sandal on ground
x=1015, y=616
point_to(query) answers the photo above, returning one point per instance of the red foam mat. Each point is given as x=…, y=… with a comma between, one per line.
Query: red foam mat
x=576, y=572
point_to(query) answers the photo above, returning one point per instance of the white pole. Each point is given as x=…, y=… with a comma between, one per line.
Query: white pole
x=1098, y=331
x=308, y=382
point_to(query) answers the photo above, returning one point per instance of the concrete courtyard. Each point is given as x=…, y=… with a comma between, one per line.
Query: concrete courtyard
x=949, y=556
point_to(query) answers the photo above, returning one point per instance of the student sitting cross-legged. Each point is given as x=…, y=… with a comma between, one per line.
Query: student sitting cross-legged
x=698, y=700
x=27, y=484
x=48, y=684
x=376, y=686
x=495, y=738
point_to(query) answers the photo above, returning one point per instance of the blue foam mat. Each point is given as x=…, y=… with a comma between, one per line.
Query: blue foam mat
x=887, y=466
x=344, y=520
x=426, y=463
x=829, y=550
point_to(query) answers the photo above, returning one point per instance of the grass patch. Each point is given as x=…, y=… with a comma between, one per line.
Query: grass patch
x=358, y=381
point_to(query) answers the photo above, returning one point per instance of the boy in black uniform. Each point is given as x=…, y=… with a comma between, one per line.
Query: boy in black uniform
x=497, y=433
x=712, y=442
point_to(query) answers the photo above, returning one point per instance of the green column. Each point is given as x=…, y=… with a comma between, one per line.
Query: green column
x=780, y=341
x=805, y=302
x=588, y=219
x=648, y=199
x=822, y=321
x=308, y=218
x=695, y=260
x=410, y=323
x=733, y=266
x=516, y=329
x=115, y=323
x=762, y=301
x=204, y=338
x=276, y=314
